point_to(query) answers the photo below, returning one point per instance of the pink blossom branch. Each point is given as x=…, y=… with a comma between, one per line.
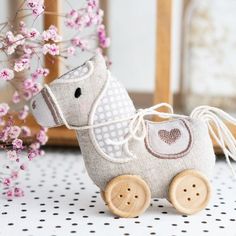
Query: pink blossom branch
x=22, y=46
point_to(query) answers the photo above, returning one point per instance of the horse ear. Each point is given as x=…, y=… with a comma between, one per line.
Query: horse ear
x=100, y=68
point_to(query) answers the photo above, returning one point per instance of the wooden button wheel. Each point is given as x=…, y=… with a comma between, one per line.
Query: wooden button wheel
x=102, y=193
x=189, y=191
x=127, y=195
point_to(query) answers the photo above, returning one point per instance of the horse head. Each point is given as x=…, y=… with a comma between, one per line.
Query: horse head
x=69, y=98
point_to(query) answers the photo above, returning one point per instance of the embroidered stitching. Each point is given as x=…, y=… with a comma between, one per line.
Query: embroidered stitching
x=169, y=137
x=50, y=105
x=170, y=156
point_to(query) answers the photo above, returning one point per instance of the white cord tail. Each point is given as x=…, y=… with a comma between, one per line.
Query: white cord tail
x=216, y=120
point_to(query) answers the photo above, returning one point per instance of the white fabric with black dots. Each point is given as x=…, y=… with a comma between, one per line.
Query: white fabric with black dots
x=61, y=200
x=115, y=104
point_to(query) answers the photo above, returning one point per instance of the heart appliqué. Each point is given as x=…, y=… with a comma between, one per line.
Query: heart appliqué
x=169, y=137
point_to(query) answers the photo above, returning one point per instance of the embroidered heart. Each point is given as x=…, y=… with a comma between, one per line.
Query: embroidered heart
x=169, y=137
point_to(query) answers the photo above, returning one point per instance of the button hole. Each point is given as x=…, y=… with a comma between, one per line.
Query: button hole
x=185, y=190
x=121, y=195
x=197, y=194
x=194, y=185
x=128, y=189
x=189, y=199
x=128, y=203
x=136, y=196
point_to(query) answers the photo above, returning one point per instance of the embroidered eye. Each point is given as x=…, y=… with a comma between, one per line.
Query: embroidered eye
x=78, y=92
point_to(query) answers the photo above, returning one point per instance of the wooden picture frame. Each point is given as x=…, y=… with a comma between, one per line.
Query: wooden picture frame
x=163, y=52
x=163, y=91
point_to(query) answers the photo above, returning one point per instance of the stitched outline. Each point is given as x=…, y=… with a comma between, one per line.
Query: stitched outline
x=52, y=108
x=90, y=66
x=170, y=156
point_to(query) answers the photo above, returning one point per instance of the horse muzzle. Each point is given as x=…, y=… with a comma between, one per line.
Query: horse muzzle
x=44, y=109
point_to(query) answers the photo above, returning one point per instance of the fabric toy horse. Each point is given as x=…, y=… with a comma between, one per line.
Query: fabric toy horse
x=130, y=158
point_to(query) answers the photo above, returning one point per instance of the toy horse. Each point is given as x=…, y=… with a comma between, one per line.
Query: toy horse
x=130, y=158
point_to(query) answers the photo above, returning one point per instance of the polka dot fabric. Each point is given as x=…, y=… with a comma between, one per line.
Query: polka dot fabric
x=113, y=105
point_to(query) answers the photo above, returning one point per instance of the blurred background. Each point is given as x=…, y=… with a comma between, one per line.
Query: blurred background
x=183, y=53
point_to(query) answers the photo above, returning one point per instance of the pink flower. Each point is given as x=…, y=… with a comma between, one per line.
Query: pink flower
x=23, y=113
x=36, y=6
x=14, y=132
x=27, y=95
x=42, y=137
x=40, y=72
x=26, y=132
x=14, y=175
x=51, y=34
x=9, y=193
x=45, y=72
x=11, y=42
x=52, y=49
x=4, y=134
x=22, y=64
x=85, y=17
x=35, y=146
x=33, y=153
x=36, y=88
x=19, y=40
x=12, y=155
x=92, y=3
x=23, y=167
x=4, y=108
x=28, y=83
x=6, y=74
x=73, y=13
x=95, y=17
x=18, y=192
x=104, y=42
x=71, y=51
x=17, y=143
x=77, y=42
x=6, y=181
x=44, y=129
x=41, y=152
x=27, y=50
x=33, y=34
x=10, y=38
x=70, y=23
x=16, y=97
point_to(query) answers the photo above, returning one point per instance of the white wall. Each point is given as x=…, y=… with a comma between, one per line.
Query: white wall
x=132, y=28
x=132, y=31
